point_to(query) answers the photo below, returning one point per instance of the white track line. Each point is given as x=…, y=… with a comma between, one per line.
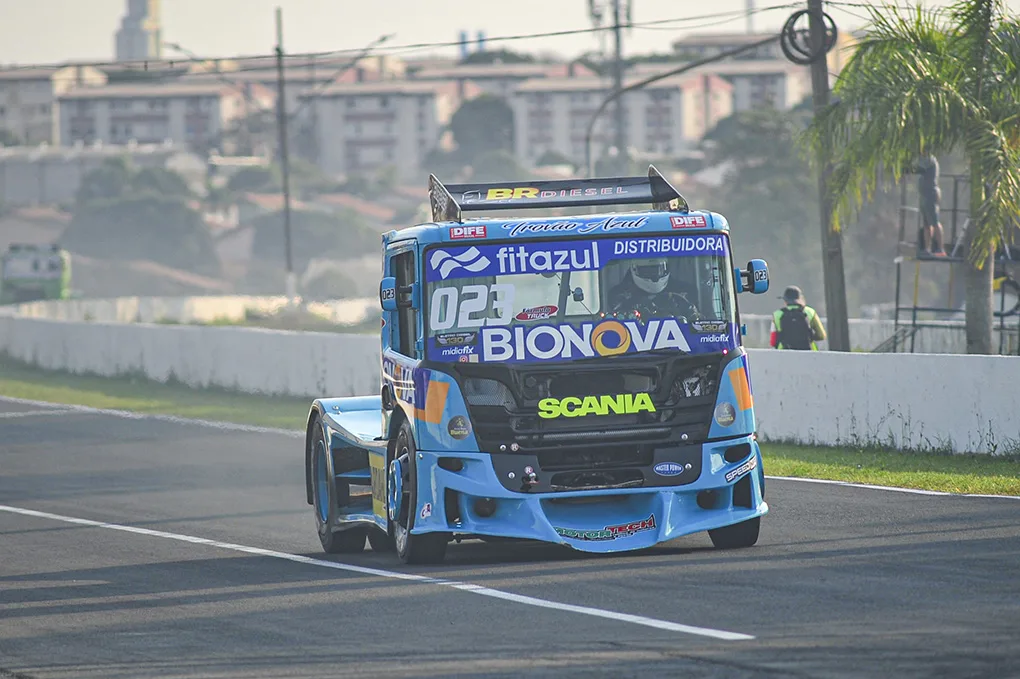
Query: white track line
x=231, y=426
x=463, y=586
x=33, y=413
x=127, y=414
x=912, y=491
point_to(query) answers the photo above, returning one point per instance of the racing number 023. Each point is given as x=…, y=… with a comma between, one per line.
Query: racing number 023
x=451, y=307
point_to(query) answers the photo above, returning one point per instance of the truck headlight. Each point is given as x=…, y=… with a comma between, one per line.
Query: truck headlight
x=725, y=414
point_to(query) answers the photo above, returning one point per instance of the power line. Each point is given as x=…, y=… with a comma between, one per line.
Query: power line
x=147, y=65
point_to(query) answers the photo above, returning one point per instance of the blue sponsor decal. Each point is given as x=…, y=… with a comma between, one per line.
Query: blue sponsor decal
x=669, y=469
x=449, y=263
x=551, y=342
x=582, y=226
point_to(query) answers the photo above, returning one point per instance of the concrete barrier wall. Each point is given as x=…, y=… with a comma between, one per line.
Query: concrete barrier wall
x=244, y=359
x=920, y=401
x=203, y=309
x=956, y=403
x=865, y=334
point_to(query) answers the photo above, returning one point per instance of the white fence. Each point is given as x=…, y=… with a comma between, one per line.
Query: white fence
x=243, y=359
x=959, y=403
x=185, y=309
x=865, y=334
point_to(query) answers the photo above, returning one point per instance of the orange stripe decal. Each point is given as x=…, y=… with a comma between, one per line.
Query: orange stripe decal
x=435, y=402
x=738, y=378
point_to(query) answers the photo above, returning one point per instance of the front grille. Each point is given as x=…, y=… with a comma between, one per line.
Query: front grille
x=595, y=458
x=503, y=402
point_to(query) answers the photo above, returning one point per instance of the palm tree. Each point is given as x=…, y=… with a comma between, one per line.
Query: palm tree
x=933, y=82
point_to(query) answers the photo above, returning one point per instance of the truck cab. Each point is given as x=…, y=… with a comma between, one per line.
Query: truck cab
x=579, y=380
x=34, y=272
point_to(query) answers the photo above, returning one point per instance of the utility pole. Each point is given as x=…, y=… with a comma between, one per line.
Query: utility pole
x=281, y=117
x=621, y=129
x=313, y=137
x=832, y=241
x=750, y=16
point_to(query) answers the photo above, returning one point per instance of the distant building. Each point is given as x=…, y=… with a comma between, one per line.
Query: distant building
x=364, y=127
x=699, y=46
x=196, y=114
x=28, y=100
x=497, y=78
x=758, y=83
x=665, y=118
x=300, y=75
x=32, y=176
x=140, y=35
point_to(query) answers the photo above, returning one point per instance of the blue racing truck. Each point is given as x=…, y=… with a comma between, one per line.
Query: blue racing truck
x=577, y=380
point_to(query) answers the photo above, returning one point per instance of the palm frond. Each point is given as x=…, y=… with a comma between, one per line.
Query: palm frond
x=973, y=23
x=898, y=98
x=997, y=155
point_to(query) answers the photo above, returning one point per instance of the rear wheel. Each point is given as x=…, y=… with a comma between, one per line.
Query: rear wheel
x=326, y=500
x=743, y=534
x=402, y=499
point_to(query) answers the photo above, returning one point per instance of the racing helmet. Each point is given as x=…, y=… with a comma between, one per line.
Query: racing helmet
x=651, y=275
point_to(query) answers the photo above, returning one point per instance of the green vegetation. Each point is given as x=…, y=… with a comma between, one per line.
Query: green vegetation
x=124, y=212
x=344, y=234
x=982, y=474
x=933, y=82
x=145, y=396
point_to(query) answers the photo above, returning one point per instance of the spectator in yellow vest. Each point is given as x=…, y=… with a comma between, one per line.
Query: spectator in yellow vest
x=796, y=325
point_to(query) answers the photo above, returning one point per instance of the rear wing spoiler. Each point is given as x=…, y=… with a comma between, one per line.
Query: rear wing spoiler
x=450, y=201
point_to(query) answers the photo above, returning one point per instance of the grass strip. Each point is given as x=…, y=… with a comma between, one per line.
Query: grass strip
x=146, y=396
x=945, y=472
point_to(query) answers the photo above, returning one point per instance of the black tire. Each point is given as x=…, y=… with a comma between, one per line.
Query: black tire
x=737, y=536
x=1011, y=288
x=326, y=502
x=429, y=548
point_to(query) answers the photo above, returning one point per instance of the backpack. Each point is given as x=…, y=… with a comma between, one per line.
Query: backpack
x=795, y=329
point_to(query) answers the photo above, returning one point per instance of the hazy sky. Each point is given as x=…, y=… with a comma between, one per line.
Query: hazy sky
x=46, y=31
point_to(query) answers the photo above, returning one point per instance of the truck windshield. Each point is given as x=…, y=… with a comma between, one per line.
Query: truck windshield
x=540, y=301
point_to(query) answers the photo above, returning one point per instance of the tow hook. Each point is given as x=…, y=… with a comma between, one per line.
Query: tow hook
x=528, y=479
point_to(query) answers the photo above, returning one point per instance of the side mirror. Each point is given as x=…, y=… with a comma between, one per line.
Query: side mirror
x=409, y=296
x=758, y=276
x=388, y=293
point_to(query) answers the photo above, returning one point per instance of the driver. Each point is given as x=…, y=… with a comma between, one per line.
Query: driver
x=643, y=294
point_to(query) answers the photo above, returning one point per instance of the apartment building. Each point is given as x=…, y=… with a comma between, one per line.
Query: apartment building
x=757, y=83
x=300, y=74
x=195, y=114
x=497, y=78
x=28, y=100
x=664, y=118
x=363, y=127
x=699, y=46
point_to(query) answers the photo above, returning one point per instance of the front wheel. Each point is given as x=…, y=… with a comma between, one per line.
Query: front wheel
x=402, y=501
x=743, y=534
x=326, y=500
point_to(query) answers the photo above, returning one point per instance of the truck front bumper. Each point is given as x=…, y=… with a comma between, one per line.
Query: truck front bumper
x=460, y=493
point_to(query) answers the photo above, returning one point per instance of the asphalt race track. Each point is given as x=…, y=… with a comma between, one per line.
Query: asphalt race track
x=142, y=547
